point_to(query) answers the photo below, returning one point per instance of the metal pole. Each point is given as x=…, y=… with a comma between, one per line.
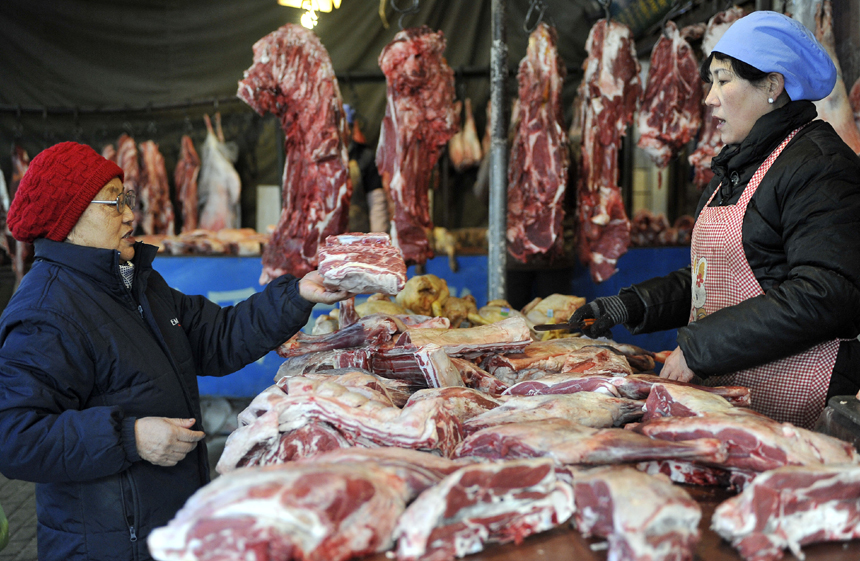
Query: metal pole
x=497, y=252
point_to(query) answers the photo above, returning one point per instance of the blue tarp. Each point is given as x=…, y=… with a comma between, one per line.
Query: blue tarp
x=227, y=280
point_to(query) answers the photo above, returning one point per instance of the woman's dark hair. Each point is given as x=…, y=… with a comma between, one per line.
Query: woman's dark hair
x=739, y=67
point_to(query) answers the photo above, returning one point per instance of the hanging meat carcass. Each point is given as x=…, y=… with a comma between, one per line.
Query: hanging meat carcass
x=127, y=157
x=420, y=118
x=185, y=176
x=835, y=108
x=157, y=209
x=22, y=253
x=610, y=90
x=670, y=113
x=710, y=143
x=219, y=186
x=464, y=148
x=293, y=78
x=537, y=173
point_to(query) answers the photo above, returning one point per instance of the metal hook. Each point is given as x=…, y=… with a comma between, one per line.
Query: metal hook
x=606, y=4
x=534, y=4
x=673, y=12
x=403, y=11
x=19, y=126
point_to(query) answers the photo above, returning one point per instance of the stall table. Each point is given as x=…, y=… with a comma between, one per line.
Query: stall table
x=565, y=543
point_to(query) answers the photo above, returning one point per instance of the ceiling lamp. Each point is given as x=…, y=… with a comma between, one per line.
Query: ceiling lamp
x=312, y=5
x=309, y=18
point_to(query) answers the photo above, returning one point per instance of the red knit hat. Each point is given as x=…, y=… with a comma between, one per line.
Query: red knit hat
x=56, y=190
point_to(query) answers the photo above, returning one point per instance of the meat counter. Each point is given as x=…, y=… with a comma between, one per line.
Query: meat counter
x=229, y=279
x=564, y=543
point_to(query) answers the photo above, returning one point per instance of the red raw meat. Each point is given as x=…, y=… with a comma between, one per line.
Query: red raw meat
x=362, y=264
x=610, y=90
x=22, y=253
x=154, y=194
x=483, y=503
x=670, y=112
x=672, y=400
x=185, y=177
x=537, y=172
x=420, y=117
x=789, y=507
x=567, y=442
x=293, y=78
x=301, y=512
x=754, y=441
x=643, y=517
x=128, y=159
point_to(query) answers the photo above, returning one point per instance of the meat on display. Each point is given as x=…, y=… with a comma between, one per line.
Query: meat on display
x=128, y=159
x=610, y=90
x=420, y=117
x=483, y=503
x=709, y=143
x=185, y=178
x=362, y=264
x=154, y=194
x=292, y=72
x=789, y=507
x=643, y=517
x=539, y=160
x=670, y=113
x=219, y=187
x=314, y=512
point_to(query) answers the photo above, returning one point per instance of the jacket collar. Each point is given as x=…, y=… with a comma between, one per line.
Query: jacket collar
x=767, y=133
x=101, y=265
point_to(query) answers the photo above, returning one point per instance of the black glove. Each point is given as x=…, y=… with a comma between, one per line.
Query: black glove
x=607, y=312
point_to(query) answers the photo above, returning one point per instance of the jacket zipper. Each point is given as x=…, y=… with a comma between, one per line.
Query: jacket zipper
x=129, y=517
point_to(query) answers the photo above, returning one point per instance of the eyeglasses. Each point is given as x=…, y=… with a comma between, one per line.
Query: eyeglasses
x=125, y=199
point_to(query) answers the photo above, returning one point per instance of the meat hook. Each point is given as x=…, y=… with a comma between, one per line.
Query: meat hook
x=403, y=11
x=606, y=5
x=534, y=4
x=675, y=11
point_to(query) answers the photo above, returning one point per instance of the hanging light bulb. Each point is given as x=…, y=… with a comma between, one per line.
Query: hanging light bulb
x=309, y=19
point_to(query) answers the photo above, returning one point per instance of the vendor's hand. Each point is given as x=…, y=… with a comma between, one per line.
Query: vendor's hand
x=605, y=312
x=312, y=289
x=676, y=368
x=163, y=441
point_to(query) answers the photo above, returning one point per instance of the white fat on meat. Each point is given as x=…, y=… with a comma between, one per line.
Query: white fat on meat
x=643, y=517
x=791, y=506
x=483, y=503
x=362, y=264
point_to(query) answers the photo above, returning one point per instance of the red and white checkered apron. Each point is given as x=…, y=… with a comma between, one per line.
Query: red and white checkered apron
x=792, y=389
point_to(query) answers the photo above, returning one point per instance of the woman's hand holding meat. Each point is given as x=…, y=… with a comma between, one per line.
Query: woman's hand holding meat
x=312, y=289
x=676, y=368
x=163, y=441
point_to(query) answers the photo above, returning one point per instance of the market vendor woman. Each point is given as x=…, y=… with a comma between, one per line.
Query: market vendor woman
x=99, y=360
x=772, y=300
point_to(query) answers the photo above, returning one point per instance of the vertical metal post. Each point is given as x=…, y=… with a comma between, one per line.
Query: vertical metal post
x=497, y=251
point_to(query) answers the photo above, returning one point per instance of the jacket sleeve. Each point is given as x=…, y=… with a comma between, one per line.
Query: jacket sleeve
x=226, y=339
x=818, y=301
x=44, y=380
x=666, y=299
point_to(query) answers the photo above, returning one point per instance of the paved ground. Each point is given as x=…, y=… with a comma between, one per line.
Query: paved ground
x=18, y=498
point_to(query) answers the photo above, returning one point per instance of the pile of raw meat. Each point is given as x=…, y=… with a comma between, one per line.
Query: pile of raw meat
x=398, y=433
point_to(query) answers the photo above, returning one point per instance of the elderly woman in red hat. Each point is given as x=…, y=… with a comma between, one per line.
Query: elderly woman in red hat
x=772, y=298
x=99, y=360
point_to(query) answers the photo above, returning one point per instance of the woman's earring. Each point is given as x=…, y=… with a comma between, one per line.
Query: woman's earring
x=770, y=100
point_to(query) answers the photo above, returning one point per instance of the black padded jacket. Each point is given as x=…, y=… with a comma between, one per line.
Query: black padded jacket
x=82, y=358
x=801, y=237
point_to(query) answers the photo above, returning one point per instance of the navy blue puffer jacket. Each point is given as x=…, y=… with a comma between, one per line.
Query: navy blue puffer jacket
x=82, y=358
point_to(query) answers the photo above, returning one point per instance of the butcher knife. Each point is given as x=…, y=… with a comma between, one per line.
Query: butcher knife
x=564, y=326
